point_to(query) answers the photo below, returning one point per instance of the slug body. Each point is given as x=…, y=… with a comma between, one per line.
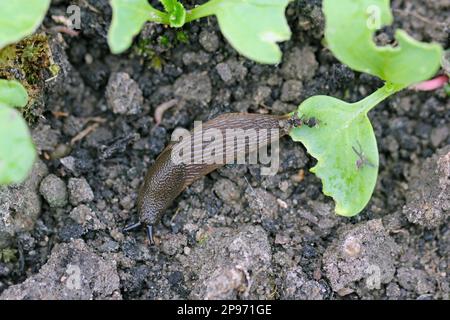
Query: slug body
x=166, y=179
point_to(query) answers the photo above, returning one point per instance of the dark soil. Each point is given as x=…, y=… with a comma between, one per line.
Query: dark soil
x=234, y=233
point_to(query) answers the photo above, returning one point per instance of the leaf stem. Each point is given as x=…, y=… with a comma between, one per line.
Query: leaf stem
x=204, y=10
x=158, y=16
x=377, y=97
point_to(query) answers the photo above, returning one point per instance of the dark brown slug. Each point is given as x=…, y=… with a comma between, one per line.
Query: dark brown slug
x=166, y=179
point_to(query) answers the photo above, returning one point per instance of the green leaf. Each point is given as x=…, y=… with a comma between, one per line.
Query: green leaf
x=12, y=93
x=253, y=27
x=129, y=16
x=17, y=153
x=350, y=26
x=168, y=5
x=447, y=90
x=177, y=16
x=177, y=13
x=344, y=144
x=20, y=18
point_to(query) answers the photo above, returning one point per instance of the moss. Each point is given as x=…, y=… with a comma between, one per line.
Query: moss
x=274, y=293
x=55, y=69
x=143, y=49
x=8, y=255
x=30, y=62
x=164, y=41
x=182, y=37
x=202, y=240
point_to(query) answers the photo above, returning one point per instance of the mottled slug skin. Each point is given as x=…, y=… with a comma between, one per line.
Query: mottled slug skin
x=165, y=180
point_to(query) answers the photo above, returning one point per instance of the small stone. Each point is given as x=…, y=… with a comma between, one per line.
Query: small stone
x=45, y=138
x=300, y=64
x=439, y=135
x=238, y=69
x=209, y=41
x=393, y=290
x=123, y=94
x=175, y=278
x=194, y=87
x=198, y=58
x=284, y=185
x=281, y=239
x=171, y=244
x=415, y=280
x=261, y=94
x=224, y=71
x=283, y=204
x=79, y=191
x=88, y=58
x=262, y=202
x=297, y=286
x=54, y=191
x=226, y=190
x=82, y=214
x=73, y=272
x=279, y=107
x=242, y=106
x=345, y=292
x=359, y=253
x=291, y=91
x=20, y=205
x=99, y=137
x=127, y=202
x=352, y=246
x=69, y=163
x=71, y=231
x=428, y=195
x=227, y=260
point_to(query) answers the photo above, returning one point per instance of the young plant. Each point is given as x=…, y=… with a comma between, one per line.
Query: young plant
x=343, y=140
x=18, y=19
x=17, y=152
x=253, y=27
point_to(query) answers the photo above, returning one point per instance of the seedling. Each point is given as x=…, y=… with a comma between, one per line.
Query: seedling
x=253, y=27
x=349, y=172
x=17, y=152
x=19, y=18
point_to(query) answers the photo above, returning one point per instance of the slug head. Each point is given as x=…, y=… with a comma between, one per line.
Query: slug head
x=164, y=181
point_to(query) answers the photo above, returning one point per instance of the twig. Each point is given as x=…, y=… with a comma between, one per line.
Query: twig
x=60, y=114
x=84, y=133
x=62, y=29
x=163, y=107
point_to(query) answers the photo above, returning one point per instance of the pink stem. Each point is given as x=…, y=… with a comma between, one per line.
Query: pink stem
x=432, y=84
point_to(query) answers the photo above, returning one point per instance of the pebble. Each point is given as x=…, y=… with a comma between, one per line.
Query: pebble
x=79, y=191
x=123, y=94
x=54, y=191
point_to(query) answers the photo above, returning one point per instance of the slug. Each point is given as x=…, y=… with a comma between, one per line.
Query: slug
x=166, y=179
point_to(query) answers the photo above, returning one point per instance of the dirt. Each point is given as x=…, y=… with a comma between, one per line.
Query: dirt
x=234, y=233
